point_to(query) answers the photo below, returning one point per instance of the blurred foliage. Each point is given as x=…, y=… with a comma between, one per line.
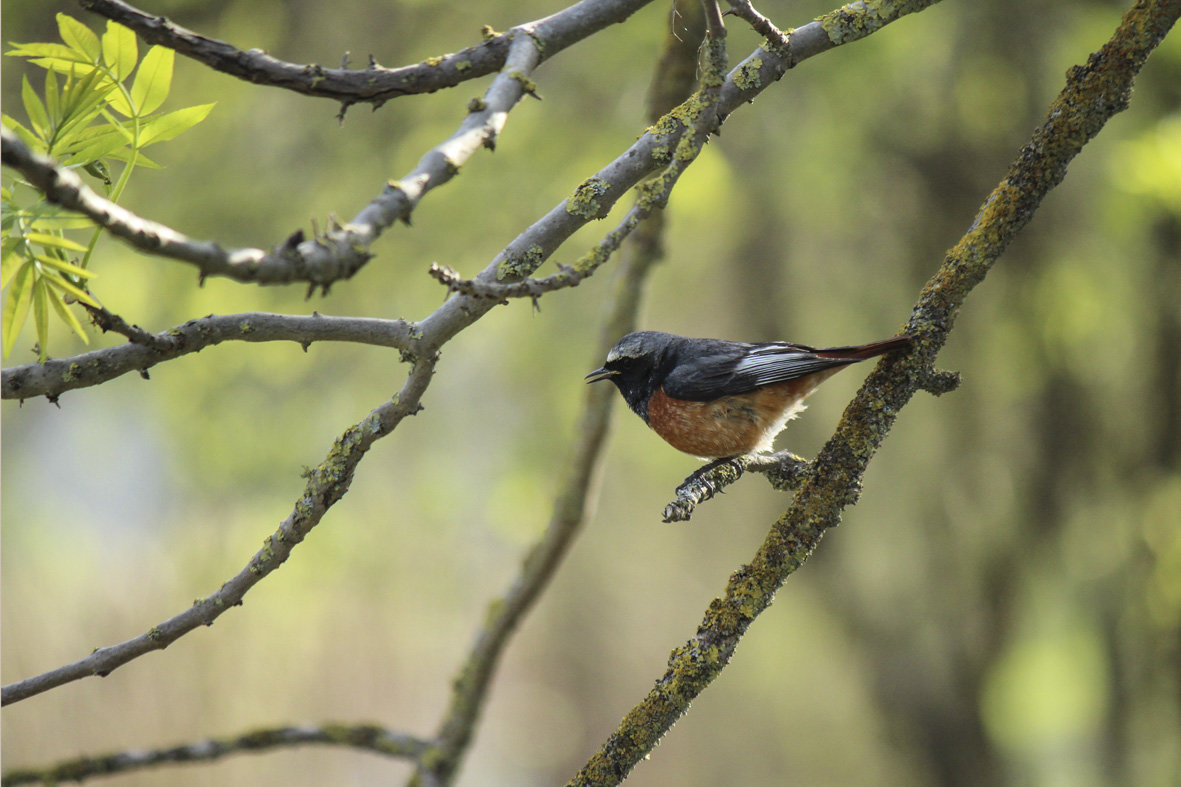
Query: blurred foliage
x=1001, y=606
x=77, y=121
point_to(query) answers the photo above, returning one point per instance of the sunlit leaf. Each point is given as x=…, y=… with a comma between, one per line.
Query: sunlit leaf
x=62, y=65
x=41, y=317
x=10, y=260
x=34, y=109
x=123, y=154
x=152, y=80
x=117, y=100
x=96, y=146
x=56, y=241
x=20, y=295
x=120, y=50
x=167, y=126
x=61, y=283
x=79, y=37
x=57, y=52
x=52, y=105
x=65, y=267
x=67, y=316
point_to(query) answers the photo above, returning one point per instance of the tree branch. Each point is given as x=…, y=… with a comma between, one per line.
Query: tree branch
x=364, y=736
x=326, y=484
x=375, y=84
x=1093, y=94
x=56, y=376
x=336, y=255
x=507, y=277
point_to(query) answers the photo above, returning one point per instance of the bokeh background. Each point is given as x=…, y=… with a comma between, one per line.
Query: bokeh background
x=1002, y=606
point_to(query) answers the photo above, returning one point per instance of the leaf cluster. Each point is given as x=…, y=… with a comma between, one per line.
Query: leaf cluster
x=98, y=112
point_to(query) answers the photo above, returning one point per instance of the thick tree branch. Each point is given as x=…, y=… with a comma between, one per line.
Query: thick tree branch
x=1093, y=94
x=56, y=376
x=367, y=737
x=375, y=84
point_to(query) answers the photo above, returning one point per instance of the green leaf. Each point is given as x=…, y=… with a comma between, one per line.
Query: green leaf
x=152, y=80
x=26, y=136
x=79, y=37
x=117, y=101
x=63, y=311
x=65, y=267
x=167, y=126
x=11, y=261
x=56, y=241
x=34, y=109
x=52, y=103
x=94, y=146
x=120, y=50
x=48, y=51
x=41, y=318
x=20, y=294
x=62, y=284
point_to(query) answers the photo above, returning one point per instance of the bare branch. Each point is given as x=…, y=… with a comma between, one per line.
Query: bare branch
x=326, y=484
x=375, y=84
x=367, y=737
x=56, y=376
x=1093, y=94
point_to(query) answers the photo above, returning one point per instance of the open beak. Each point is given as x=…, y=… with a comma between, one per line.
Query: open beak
x=600, y=374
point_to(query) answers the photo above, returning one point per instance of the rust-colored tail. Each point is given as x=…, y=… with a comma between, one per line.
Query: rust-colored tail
x=859, y=352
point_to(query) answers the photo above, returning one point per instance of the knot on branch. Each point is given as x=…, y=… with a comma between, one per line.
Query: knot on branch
x=939, y=381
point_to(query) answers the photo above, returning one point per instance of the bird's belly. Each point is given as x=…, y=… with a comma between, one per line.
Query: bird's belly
x=729, y=426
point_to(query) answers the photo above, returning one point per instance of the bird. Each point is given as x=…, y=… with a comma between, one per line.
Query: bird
x=718, y=399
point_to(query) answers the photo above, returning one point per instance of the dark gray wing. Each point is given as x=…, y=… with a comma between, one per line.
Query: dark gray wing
x=743, y=368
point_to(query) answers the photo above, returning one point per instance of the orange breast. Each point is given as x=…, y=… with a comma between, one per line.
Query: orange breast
x=732, y=425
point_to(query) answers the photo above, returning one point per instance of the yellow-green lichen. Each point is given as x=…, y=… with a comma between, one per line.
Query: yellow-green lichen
x=477, y=105
x=518, y=267
x=584, y=201
x=246, y=327
x=433, y=61
x=463, y=65
x=857, y=20
x=487, y=32
x=527, y=84
x=747, y=76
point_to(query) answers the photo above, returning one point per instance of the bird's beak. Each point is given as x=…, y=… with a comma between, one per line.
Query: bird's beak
x=600, y=374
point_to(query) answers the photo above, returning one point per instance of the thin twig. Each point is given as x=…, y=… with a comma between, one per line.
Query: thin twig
x=58, y=375
x=367, y=737
x=375, y=84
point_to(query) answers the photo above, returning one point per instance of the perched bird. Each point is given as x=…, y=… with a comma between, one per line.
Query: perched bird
x=716, y=399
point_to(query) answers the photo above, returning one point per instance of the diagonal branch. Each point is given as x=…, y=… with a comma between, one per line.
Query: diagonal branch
x=56, y=376
x=1093, y=94
x=367, y=737
x=375, y=84
x=507, y=277
x=326, y=484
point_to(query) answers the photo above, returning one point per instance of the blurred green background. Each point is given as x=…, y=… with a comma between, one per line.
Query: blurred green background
x=1002, y=606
